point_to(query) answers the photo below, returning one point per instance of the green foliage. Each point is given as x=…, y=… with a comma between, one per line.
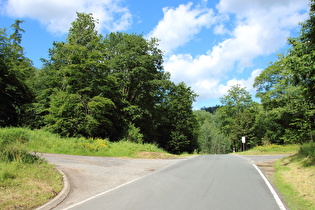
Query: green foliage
x=288, y=112
x=15, y=75
x=95, y=86
x=134, y=134
x=13, y=147
x=80, y=97
x=237, y=117
x=178, y=126
x=307, y=152
x=39, y=141
x=210, y=139
x=286, y=89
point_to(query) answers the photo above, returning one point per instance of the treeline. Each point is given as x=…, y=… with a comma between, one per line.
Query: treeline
x=114, y=87
x=96, y=86
x=286, y=114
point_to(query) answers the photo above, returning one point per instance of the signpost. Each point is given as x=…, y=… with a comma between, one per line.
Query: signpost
x=243, y=142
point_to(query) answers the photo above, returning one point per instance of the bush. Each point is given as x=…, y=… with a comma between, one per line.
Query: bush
x=308, y=151
x=134, y=134
x=12, y=146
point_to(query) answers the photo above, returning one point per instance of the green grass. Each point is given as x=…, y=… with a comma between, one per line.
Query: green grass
x=272, y=149
x=27, y=186
x=26, y=181
x=45, y=142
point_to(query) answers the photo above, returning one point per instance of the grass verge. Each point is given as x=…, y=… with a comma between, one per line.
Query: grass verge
x=294, y=176
x=272, y=149
x=296, y=183
x=27, y=186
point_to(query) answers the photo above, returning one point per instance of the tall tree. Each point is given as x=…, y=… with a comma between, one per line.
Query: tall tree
x=104, y=86
x=286, y=88
x=137, y=65
x=286, y=109
x=238, y=116
x=301, y=56
x=178, y=126
x=80, y=96
x=16, y=72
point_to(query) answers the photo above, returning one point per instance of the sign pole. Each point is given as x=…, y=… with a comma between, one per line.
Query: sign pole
x=243, y=142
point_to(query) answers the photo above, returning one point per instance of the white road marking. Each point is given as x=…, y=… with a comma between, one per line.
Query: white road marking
x=273, y=192
x=103, y=193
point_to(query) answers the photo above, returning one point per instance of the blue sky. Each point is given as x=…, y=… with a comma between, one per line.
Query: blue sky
x=208, y=44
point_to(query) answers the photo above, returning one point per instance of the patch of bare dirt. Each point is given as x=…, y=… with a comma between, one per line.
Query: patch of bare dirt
x=266, y=166
x=155, y=155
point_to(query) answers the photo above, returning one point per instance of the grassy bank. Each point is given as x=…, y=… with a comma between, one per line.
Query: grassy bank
x=295, y=178
x=272, y=149
x=26, y=181
x=45, y=142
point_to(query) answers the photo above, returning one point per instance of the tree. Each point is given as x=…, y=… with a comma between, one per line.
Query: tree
x=113, y=86
x=78, y=95
x=286, y=109
x=211, y=109
x=177, y=124
x=16, y=72
x=286, y=88
x=237, y=116
x=300, y=59
x=137, y=65
x=210, y=139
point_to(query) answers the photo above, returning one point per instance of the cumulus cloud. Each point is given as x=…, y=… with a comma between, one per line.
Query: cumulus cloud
x=180, y=24
x=57, y=15
x=260, y=28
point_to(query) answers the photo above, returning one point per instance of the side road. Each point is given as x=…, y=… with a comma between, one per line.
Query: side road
x=86, y=176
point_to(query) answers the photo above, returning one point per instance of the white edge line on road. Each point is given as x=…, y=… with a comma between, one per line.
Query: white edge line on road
x=103, y=193
x=273, y=192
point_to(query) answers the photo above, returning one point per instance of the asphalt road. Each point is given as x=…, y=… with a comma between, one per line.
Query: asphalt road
x=204, y=182
x=88, y=176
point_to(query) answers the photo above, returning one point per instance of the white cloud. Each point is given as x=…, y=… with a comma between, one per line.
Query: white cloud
x=246, y=83
x=260, y=28
x=57, y=15
x=179, y=25
x=220, y=29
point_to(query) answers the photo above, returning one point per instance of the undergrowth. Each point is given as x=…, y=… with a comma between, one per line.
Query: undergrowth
x=40, y=141
x=306, y=154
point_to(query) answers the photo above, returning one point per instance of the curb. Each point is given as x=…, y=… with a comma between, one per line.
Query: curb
x=60, y=197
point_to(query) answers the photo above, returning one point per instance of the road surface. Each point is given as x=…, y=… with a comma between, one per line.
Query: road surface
x=204, y=182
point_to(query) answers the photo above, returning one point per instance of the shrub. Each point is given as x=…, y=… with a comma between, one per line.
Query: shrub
x=12, y=146
x=134, y=134
x=308, y=150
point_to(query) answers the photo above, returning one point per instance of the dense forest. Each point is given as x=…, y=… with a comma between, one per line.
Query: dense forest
x=113, y=86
